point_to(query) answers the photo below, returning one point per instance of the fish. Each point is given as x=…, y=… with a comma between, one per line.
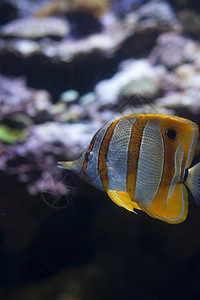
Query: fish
x=143, y=162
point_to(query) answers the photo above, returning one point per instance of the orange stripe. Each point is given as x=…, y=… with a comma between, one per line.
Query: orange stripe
x=87, y=152
x=102, y=166
x=133, y=157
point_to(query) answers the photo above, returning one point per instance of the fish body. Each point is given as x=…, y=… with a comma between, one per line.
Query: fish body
x=142, y=162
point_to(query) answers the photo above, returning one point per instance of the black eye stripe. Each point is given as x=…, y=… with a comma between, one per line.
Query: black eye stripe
x=86, y=155
x=89, y=155
x=171, y=134
x=90, y=147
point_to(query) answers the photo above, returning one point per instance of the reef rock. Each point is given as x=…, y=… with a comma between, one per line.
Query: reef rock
x=36, y=28
x=155, y=15
x=173, y=49
x=38, y=154
x=134, y=77
x=94, y=7
x=190, y=21
x=186, y=102
x=16, y=97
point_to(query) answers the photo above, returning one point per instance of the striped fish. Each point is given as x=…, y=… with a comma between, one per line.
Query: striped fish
x=142, y=162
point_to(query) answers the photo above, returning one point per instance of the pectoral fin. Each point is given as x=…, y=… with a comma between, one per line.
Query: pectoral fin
x=193, y=182
x=171, y=209
x=122, y=199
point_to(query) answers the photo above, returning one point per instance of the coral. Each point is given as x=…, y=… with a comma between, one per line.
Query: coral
x=69, y=96
x=159, y=12
x=54, y=7
x=15, y=129
x=134, y=77
x=191, y=23
x=35, y=28
x=173, y=49
x=155, y=15
x=15, y=98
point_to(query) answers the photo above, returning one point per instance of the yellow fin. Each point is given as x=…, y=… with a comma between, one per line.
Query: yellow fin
x=172, y=209
x=122, y=199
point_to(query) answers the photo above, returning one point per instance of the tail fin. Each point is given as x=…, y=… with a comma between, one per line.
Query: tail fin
x=193, y=182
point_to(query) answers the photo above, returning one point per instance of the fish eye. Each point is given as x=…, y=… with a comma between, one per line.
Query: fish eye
x=171, y=134
x=89, y=155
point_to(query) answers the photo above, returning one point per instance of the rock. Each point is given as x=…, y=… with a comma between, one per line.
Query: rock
x=87, y=99
x=36, y=28
x=16, y=97
x=83, y=15
x=101, y=52
x=187, y=101
x=70, y=136
x=103, y=44
x=152, y=18
x=122, y=7
x=146, y=86
x=157, y=14
x=73, y=113
x=185, y=76
x=58, y=59
x=14, y=129
x=191, y=22
x=69, y=96
x=46, y=144
x=134, y=77
x=54, y=7
x=173, y=49
x=27, y=48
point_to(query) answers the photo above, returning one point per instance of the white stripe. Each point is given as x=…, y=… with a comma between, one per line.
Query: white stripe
x=150, y=163
x=117, y=155
x=92, y=171
x=178, y=158
x=117, y=198
x=191, y=146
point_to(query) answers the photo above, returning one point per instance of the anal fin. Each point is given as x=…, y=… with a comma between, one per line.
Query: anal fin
x=172, y=209
x=123, y=199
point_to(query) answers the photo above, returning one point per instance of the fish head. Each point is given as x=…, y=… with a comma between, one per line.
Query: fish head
x=179, y=135
x=86, y=167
